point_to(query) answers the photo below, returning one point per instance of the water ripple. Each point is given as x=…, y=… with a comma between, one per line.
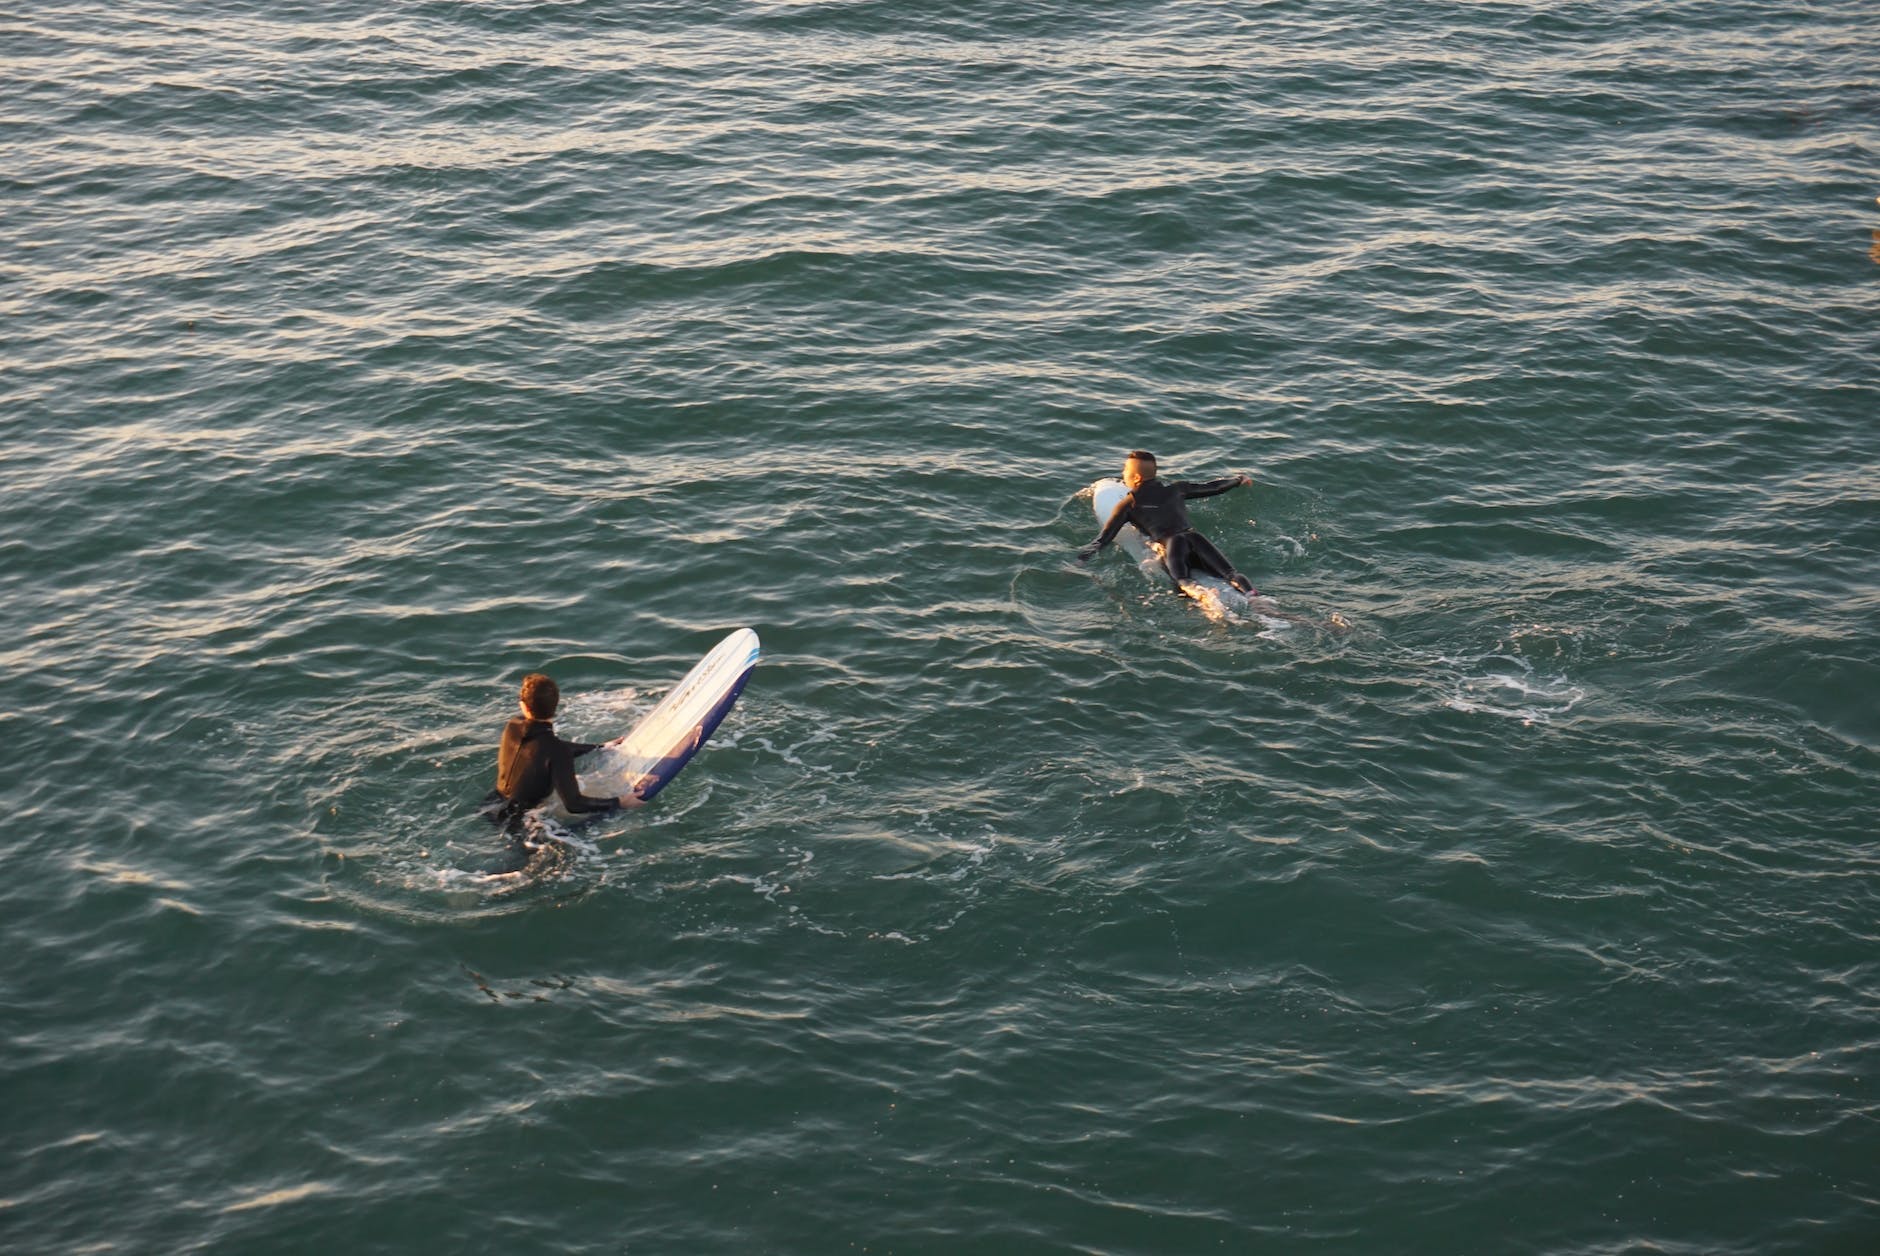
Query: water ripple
x=360, y=362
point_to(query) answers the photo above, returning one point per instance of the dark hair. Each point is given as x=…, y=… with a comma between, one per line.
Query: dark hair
x=540, y=695
x=1141, y=455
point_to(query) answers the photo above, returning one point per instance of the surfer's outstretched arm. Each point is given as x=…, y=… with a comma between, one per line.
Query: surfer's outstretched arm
x=1118, y=518
x=569, y=790
x=1209, y=488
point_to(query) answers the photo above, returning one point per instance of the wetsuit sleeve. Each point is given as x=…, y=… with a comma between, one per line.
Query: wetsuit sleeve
x=1205, y=488
x=1118, y=518
x=569, y=790
x=578, y=748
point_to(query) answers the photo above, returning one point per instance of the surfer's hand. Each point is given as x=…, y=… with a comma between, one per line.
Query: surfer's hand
x=1087, y=553
x=1246, y=481
x=632, y=797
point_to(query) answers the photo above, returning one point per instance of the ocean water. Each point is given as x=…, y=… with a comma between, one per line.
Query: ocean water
x=356, y=360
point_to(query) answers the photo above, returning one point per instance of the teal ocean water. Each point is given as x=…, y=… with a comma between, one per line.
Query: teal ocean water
x=358, y=359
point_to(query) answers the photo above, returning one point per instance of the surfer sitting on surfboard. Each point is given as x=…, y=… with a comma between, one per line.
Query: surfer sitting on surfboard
x=533, y=761
x=1155, y=507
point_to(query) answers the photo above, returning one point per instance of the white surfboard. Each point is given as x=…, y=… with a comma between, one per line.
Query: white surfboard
x=1215, y=595
x=671, y=733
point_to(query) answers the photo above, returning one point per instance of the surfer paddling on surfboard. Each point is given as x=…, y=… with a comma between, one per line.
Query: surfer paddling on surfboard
x=533, y=763
x=1155, y=507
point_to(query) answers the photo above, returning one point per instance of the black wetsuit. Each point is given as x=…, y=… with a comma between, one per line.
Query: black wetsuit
x=533, y=763
x=1155, y=508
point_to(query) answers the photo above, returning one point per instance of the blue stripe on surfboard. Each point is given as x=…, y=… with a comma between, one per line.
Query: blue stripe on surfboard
x=663, y=770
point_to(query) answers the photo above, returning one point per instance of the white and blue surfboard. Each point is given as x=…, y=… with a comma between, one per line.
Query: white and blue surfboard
x=672, y=732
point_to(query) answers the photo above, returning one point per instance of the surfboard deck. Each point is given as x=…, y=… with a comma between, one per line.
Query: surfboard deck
x=667, y=737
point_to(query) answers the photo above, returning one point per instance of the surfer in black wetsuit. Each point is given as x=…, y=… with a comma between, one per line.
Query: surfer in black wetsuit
x=533, y=762
x=1155, y=507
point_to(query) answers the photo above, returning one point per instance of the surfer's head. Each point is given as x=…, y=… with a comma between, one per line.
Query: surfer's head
x=1138, y=468
x=540, y=696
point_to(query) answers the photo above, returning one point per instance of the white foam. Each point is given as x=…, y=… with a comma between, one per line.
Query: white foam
x=1508, y=687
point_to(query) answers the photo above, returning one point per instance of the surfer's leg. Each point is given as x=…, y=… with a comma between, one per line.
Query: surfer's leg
x=1175, y=555
x=515, y=858
x=1211, y=560
x=512, y=822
